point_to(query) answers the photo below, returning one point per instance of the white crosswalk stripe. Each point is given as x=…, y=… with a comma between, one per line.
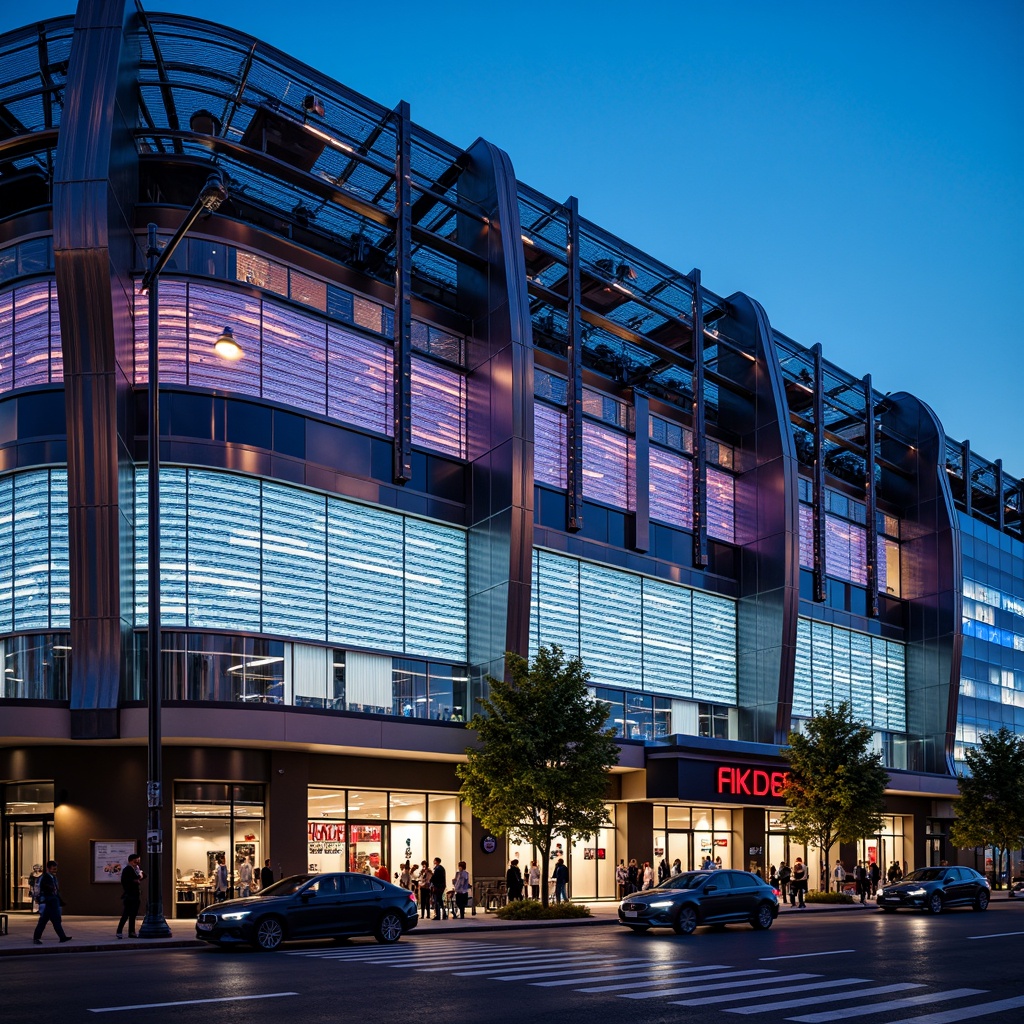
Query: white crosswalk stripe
x=832, y=997
x=892, y=1004
x=665, y=981
x=719, y=985
x=761, y=990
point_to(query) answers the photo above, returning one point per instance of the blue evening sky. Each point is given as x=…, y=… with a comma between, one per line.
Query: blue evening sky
x=857, y=168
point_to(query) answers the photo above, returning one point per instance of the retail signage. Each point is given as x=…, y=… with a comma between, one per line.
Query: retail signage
x=739, y=781
x=326, y=831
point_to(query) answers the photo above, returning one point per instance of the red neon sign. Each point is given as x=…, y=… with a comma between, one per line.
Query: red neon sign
x=751, y=781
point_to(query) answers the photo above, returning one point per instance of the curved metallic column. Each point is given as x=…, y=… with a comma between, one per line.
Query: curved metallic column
x=931, y=578
x=500, y=416
x=767, y=523
x=94, y=190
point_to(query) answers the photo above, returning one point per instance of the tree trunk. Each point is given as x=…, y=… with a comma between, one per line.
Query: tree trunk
x=545, y=854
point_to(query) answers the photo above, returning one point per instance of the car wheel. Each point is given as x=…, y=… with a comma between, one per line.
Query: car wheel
x=389, y=928
x=981, y=901
x=762, y=918
x=269, y=934
x=685, y=922
x=935, y=904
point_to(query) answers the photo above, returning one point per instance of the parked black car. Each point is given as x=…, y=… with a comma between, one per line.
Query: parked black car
x=311, y=907
x=934, y=889
x=702, y=897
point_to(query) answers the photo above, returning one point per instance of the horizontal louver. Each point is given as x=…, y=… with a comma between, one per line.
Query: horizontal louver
x=435, y=591
x=359, y=381
x=438, y=408
x=548, y=445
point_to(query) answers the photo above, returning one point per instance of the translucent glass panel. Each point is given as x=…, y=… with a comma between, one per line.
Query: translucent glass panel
x=246, y=555
x=635, y=632
x=435, y=591
x=806, y=537
x=358, y=380
x=611, y=621
x=365, y=566
x=438, y=408
x=299, y=360
x=293, y=540
x=835, y=664
x=30, y=350
x=607, y=466
x=295, y=346
x=671, y=488
x=34, y=583
x=721, y=506
x=549, y=452
x=845, y=550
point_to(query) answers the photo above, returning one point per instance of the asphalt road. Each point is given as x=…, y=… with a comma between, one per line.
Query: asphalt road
x=874, y=967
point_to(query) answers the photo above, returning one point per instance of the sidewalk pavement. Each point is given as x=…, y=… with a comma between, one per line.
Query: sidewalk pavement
x=96, y=934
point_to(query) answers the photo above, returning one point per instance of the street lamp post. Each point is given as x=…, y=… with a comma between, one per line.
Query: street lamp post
x=214, y=192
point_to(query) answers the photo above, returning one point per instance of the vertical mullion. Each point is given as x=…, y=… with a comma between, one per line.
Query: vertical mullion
x=700, y=462
x=574, y=382
x=818, y=488
x=871, y=534
x=965, y=455
x=402, y=321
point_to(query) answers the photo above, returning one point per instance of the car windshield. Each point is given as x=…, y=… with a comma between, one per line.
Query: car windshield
x=287, y=886
x=687, y=880
x=926, y=875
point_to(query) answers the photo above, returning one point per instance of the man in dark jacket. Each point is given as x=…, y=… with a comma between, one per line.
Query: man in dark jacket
x=561, y=877
x=266, y=875
x=131, y=895
x=438, y=885
x=50, y=901
x=514, y=881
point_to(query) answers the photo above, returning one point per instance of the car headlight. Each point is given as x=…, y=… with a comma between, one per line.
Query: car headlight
x=237, y=916
x=917, y=892
x=660, y=905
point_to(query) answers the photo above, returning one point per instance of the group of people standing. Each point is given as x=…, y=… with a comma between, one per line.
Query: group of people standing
x=865, y=879
x=516, y=882
x=635, y=877
x=431, y=887
x=790, y=881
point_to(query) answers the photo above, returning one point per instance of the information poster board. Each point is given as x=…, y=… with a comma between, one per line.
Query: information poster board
x=109, y=859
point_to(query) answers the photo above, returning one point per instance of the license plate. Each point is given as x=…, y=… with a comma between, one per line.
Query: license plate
x=204, y=926
x=891, y=899
x=629, y=913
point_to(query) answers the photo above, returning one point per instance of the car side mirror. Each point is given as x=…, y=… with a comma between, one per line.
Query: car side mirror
x=710, y=888
x=948, y=879
x=307, y=895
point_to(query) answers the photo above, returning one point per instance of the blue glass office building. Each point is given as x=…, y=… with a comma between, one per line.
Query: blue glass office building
x=467, y=420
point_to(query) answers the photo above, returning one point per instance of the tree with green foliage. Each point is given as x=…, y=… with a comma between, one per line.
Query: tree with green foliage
x=541, y=766
x=991, y=807
x=836, y=786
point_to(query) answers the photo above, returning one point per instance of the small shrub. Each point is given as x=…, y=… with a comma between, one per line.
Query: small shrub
x=829, y=897
x=534, y=910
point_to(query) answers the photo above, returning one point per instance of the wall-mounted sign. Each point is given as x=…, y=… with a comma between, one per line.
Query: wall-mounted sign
x=110, y=859
x=593, y=853
x=326, y=831
x=738, y=781
x=488, y=844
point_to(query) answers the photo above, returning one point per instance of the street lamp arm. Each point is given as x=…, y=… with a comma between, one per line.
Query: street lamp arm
x=214, y=193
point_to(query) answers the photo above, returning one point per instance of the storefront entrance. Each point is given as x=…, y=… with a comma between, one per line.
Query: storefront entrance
x=29, y=846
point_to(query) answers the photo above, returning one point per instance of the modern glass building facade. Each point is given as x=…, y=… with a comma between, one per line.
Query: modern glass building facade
x=466, y=421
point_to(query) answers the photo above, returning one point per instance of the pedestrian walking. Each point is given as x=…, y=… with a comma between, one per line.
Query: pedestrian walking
x=514, y=881
x=534, y=877
x=663, y=871
x=773, y=877
x=50, y=904
x=839, y=875
x=860, y=874
x=677, y=867
x=632, y=876
x=561, y=876
x=266, y=875
x=461, y=885
x=405, y=878
x=785, y=874
x=245, y=878
x=799, y=883
x=874, y=875
x=622, y=879
x=220, y=880
x=439, y=888
x=648, y=875
x=131, y=895
x=424, y=883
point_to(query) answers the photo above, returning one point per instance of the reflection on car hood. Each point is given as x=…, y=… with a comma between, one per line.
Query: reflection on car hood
x=907, y=886
x=230, y=905
x=655, y=894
